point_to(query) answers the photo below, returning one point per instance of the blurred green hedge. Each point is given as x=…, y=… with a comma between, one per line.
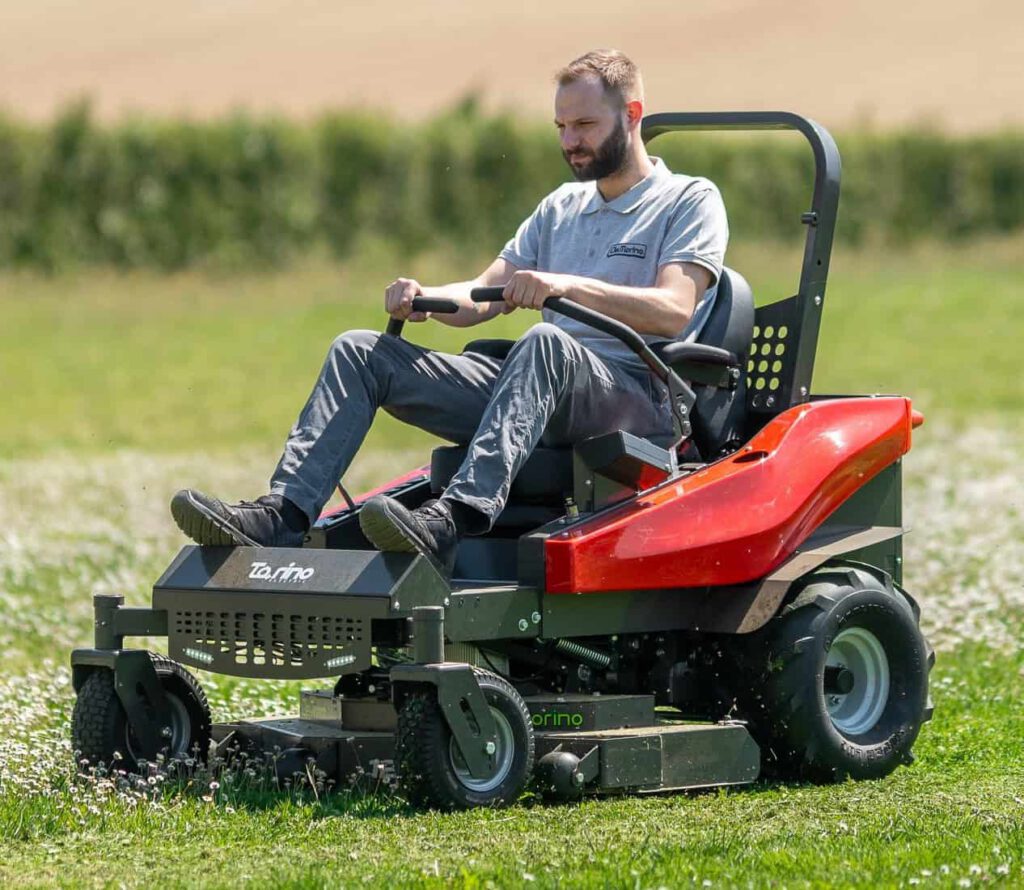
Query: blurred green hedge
x=243, y=191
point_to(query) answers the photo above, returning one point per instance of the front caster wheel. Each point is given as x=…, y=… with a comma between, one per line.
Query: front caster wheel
x=431, y=769
x=99, y=725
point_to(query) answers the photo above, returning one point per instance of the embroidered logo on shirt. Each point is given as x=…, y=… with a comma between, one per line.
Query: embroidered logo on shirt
x=628, y=248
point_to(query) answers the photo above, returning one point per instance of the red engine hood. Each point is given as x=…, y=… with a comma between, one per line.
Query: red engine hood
x=738, y=519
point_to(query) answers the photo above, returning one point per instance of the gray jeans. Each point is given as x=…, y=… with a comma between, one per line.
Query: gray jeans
x=551, y=389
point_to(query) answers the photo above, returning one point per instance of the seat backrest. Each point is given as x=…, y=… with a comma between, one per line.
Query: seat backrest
x=731, y=322
x=719, y=415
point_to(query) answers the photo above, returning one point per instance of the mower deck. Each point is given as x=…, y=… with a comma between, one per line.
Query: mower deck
x=584, y=744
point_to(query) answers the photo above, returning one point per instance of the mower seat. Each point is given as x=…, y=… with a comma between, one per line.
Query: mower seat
x=545, y=478
x=718, y=416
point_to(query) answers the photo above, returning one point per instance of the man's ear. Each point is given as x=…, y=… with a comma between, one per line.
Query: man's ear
x=634, y=112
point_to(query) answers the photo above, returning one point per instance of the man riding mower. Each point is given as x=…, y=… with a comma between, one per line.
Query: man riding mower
x=655, y=561
x=630, y=240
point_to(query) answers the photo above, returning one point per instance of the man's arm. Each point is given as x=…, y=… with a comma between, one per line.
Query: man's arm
x=400, y=293
x=662, y=310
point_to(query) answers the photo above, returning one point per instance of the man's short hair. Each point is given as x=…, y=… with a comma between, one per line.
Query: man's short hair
x=619, y=75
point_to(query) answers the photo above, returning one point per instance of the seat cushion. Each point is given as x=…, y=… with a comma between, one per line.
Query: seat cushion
x=545, y=478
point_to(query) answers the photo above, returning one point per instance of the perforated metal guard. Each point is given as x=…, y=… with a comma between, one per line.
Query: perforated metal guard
x=293, y=643
x=771, y=363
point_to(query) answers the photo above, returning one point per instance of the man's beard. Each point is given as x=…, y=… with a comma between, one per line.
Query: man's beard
x=608, y=158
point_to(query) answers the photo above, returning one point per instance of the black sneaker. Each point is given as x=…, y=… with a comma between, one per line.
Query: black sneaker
x=213, y=523
x=429, y=530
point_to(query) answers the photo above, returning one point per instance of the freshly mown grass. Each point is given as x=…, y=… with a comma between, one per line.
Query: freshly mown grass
x=120, y=390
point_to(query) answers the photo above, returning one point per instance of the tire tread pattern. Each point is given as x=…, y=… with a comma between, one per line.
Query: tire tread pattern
x=774, y=699
x=98, y=719
x=421, y=750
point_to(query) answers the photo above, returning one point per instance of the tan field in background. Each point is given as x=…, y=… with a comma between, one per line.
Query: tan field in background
x=884, y=62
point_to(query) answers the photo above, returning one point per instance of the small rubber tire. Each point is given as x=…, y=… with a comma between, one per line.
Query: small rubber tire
x=799, y=737
x=426, y=755
x=99, y=724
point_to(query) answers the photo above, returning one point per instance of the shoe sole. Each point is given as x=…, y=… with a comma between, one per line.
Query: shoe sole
x=204, y=526
x=384, y=531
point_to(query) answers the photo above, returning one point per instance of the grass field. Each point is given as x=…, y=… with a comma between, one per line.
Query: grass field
x=120, y=390
x=193, y=362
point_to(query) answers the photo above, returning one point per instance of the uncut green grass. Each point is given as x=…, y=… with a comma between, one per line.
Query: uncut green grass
x=99, y=361
x=119, y=389
x=954, y=817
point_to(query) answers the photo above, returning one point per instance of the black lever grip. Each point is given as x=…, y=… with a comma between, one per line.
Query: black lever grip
x=434, y=304
x=487, y=294
x=610, y=326
x=442, y=305
x=682, y=395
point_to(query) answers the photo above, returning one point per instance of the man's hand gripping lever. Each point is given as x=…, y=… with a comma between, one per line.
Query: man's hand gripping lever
x=682, y=396
x=423, y=304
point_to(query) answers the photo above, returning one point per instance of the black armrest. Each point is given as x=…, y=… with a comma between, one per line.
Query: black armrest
x=700, y=353
x=701, y=364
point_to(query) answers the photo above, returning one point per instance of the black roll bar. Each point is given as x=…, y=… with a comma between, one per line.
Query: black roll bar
x=820, y=219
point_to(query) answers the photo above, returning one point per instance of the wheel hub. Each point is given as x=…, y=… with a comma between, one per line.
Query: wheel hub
x=175, y=732
x=501, y=753
x=856, y=681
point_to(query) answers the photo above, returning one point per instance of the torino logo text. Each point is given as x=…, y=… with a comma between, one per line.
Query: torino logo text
x=262, y=571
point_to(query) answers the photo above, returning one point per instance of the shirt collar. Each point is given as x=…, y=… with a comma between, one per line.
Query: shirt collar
x=629, y=200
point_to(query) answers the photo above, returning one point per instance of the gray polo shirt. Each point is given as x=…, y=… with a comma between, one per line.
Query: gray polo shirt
x=665, y=218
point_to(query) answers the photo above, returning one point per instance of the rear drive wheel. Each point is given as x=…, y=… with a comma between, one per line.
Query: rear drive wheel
x=99, y=724
x=844, y=689
x=431, y=769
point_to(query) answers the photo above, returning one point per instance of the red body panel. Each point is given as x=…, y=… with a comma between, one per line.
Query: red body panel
x=738, y=519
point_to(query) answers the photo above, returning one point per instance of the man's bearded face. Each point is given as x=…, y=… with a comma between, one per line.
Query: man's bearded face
x=604, y=160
